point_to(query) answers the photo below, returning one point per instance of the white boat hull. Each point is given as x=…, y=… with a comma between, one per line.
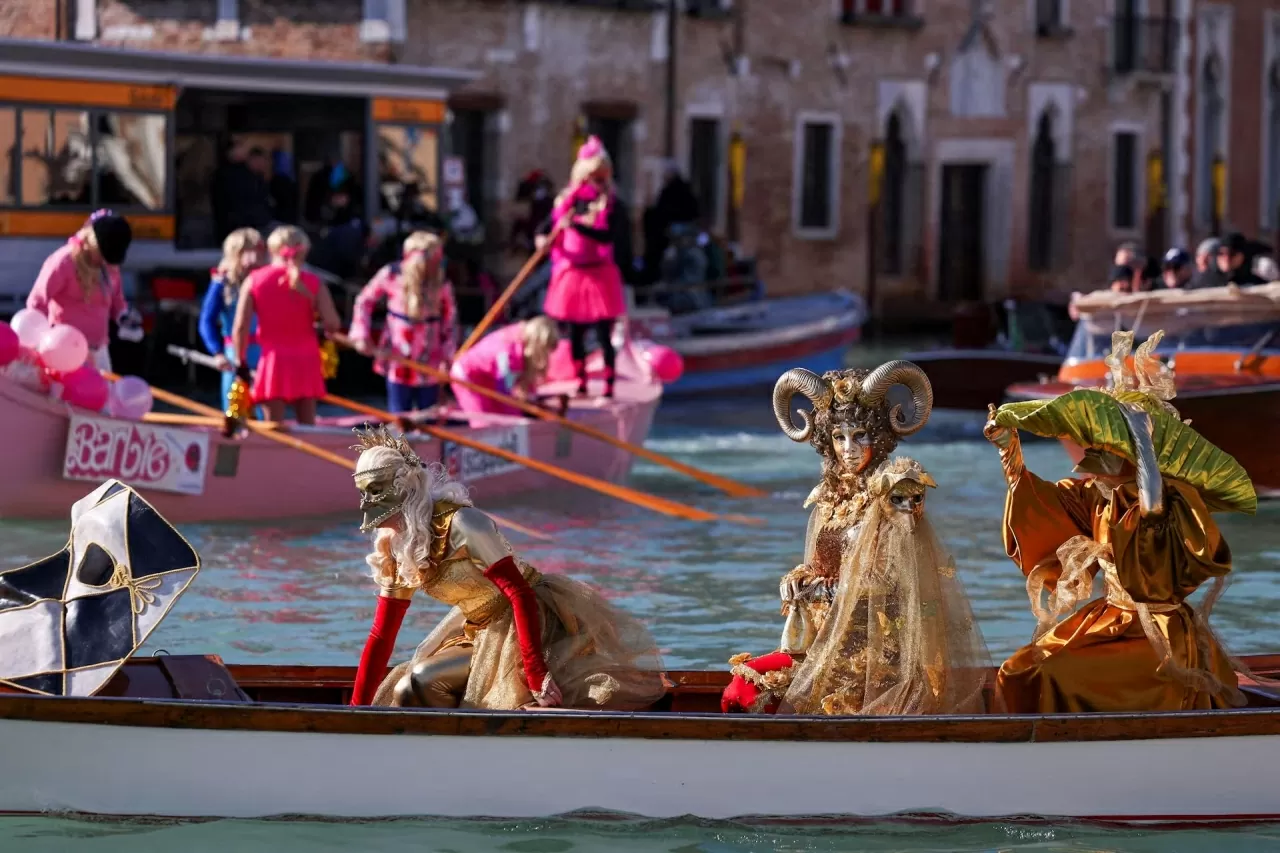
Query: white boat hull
x=175, y=772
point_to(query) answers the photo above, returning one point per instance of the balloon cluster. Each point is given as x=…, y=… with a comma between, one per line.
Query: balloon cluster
x=54, y=358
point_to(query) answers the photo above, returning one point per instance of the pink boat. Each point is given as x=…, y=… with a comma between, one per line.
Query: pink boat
x=193, y=474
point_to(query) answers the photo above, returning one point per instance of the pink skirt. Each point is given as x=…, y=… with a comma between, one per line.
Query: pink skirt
x=289, y=374
x=585, y=294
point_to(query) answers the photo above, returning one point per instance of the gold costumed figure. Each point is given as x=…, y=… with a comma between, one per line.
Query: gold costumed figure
x=1138, y=530
x=877, y=623
x=514, y=638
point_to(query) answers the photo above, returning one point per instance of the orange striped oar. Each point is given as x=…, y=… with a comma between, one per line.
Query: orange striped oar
x=614, y=490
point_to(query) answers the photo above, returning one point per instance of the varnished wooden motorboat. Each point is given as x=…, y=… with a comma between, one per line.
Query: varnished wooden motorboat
x=1224, y=346
x=970, y=377
x=179, y=736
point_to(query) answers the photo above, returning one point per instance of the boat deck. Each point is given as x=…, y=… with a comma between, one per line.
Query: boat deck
x=192, y=691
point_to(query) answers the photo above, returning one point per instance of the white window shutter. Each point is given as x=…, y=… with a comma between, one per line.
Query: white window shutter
x=86, y=20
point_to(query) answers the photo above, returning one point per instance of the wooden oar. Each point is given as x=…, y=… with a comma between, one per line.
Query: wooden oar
x=171, y=419
x=525, y=271
x=623, y=493
x=267, y=430
x=724, y=484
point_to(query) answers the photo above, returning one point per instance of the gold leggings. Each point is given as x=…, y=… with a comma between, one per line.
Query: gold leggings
x=436, y=681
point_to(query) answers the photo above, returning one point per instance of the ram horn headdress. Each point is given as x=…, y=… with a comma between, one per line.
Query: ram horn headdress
x=871, y=393
x=799, y=381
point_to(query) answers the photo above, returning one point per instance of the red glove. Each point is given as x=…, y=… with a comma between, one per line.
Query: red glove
x=505, y=575
x=745, y=690
x=378, y=648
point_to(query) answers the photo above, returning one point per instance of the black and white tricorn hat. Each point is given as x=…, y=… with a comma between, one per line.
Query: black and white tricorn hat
x=69, y=621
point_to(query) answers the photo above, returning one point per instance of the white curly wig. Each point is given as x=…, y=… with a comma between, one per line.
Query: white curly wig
x=400, y=556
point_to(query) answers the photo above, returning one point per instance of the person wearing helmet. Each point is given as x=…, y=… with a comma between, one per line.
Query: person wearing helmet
x=1176, y=269
x=79, y=285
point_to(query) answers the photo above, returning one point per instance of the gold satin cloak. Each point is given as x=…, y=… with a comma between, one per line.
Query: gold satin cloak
x=1099, y=658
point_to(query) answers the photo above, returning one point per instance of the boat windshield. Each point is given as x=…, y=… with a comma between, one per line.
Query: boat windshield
x=1092, y=339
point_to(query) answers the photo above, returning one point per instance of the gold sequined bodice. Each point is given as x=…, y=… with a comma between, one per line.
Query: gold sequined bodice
x=455, y=578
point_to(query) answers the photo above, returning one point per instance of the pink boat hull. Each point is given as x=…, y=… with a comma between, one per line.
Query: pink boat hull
x=273, y=481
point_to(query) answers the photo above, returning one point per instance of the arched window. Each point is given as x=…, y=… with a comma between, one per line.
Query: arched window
x=1209, y=146
x=1040, y=228
x=892, y=197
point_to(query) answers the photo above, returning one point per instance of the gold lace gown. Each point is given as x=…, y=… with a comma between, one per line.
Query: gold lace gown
x=1140, y=647
x=599, y=656
x=898, y=637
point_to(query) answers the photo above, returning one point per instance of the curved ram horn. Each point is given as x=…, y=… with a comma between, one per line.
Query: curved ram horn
x=877, y=384
x=798, y=381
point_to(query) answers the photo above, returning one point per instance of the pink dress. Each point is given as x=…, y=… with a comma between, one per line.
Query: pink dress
x=58, y=295
x=289, y=367
x=494, y=363
x=432, y=339
x=586, y=286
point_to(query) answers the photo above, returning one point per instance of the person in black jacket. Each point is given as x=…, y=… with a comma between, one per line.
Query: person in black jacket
x=676, y=205
x=1235, y=259
x=240, y=195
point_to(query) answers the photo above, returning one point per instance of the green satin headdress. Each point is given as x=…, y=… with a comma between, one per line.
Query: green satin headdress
x=1095, y=419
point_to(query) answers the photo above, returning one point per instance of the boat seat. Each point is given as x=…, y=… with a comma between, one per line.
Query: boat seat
x=194, y=677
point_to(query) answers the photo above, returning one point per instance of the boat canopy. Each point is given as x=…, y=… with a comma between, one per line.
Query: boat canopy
x=1174, y=309
x=1228, y=317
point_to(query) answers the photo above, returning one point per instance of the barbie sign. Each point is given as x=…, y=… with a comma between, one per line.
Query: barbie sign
x=467, y=465
x=144, y=456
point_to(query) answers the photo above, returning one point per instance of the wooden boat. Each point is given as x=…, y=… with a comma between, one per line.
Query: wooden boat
x=1224, y=346
x=970, y=379
x=193, y=474
x=187, y=737
x=749, y=345
x=974, y=371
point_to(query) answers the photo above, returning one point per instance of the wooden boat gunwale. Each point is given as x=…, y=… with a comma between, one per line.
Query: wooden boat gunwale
x=301, y=717
x=849, y=316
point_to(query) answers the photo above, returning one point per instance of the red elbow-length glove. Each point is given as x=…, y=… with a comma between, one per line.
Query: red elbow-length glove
x=506, y=576
x=378, y=648
x=748, y=688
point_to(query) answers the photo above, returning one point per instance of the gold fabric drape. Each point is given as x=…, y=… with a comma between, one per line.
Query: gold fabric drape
x=599, y=656
x=899, y=637
x=1139, y=647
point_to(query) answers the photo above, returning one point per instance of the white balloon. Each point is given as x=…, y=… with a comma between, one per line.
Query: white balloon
x=30, y=326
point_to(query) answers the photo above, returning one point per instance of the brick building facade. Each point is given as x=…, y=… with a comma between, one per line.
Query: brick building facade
x=1231, y=87
x=1013, y=142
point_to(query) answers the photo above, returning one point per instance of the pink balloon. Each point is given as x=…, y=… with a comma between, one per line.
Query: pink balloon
x=62, y=348
x=666, y=363
x=30, y=326
x=130, y=398
x=85, y=387
x=10, y=345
